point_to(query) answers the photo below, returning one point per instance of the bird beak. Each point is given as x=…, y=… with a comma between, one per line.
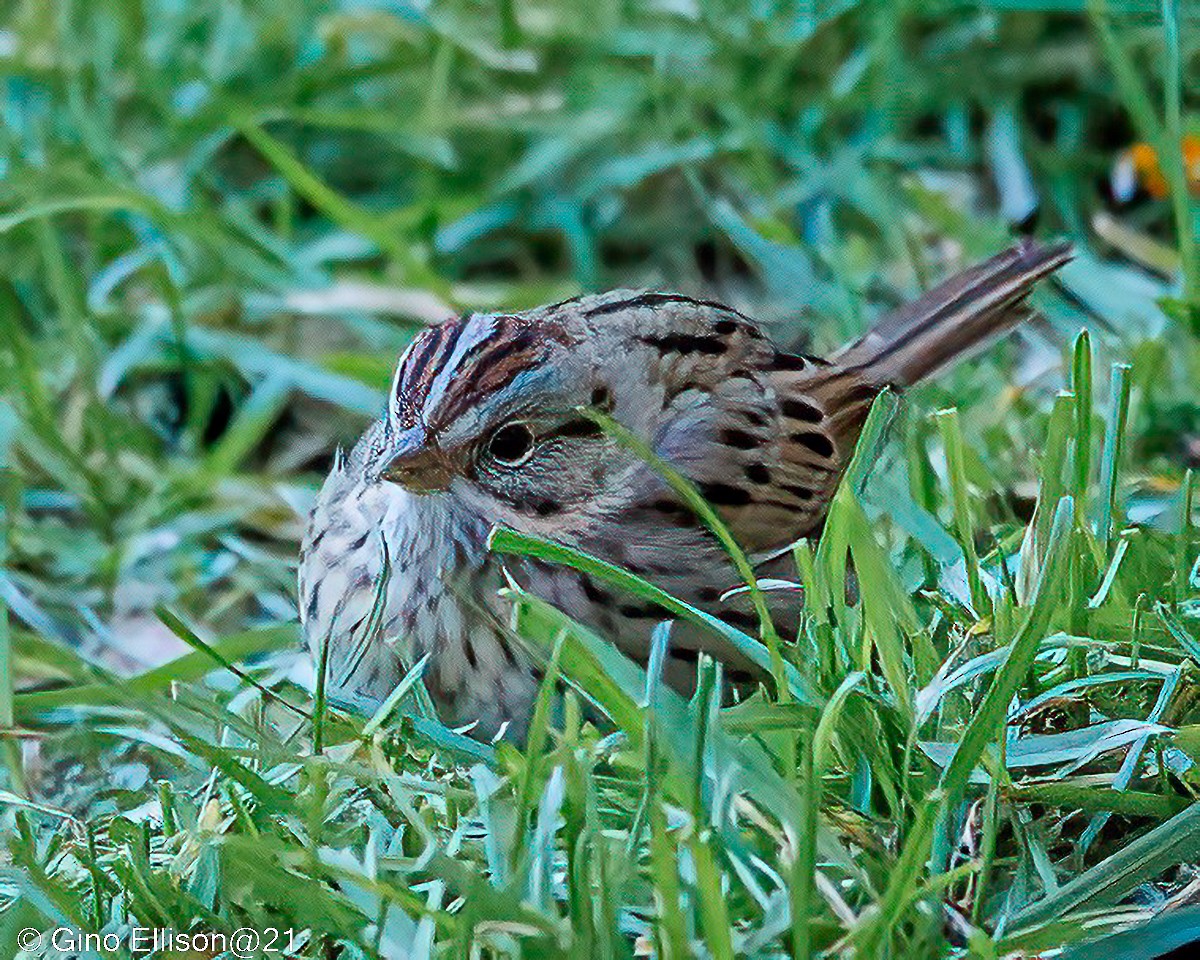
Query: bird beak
x=417, y=464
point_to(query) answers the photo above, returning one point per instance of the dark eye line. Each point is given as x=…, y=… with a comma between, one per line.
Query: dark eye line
x=576, y=427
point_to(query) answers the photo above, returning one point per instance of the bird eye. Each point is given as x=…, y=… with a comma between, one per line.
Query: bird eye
x=512, y=444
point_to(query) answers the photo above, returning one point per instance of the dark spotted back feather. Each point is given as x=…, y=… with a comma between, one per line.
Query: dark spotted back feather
x=781, y=454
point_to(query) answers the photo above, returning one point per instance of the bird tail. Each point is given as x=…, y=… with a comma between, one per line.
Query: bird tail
x=954, y=318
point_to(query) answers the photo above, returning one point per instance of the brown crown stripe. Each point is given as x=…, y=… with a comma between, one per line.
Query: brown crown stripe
x=425, y=358
x=441, y=340
x=514, y=347
x=515, y=344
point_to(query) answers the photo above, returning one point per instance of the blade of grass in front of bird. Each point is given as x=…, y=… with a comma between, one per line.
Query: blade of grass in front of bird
x=833, y=548
x=816, y=629
x=504, y=540
x=542, y=841
x=594, y=667
x=888, y=614
x=590, y=887
x=175, y=624
x=319, y=694
x=539, y=724
x=815, y=589
x=686, y=490
x=871, y=439
x=535, y=744
x=607, y=678
x=363, y=639
x=407, y=683
x=831, y=570
x=597, y=670
x=659, y=639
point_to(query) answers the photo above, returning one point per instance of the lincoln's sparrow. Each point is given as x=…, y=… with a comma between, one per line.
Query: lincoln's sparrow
x=483, y=427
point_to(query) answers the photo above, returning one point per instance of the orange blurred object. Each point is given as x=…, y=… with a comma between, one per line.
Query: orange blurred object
x=1138, y=168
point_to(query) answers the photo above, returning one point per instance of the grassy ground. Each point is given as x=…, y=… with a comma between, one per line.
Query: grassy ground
x=219, y=224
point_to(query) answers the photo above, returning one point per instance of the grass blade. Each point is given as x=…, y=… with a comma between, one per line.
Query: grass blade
x=1173, y=842
x=687, y=491
x=1110, y=458
x=952, y=441
x=503, y=540
x=1081, y=385
x=988, y=719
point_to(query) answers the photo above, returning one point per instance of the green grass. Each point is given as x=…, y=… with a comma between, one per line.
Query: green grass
x=219, y=225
